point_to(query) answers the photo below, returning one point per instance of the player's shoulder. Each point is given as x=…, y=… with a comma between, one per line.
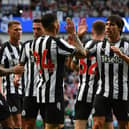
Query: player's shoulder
x=124, y=40
x=4, y=45
x=43, y=37
x=57, y=39
x=27, y=42
x=92, y=43
x=88, y=41
x=101, y=42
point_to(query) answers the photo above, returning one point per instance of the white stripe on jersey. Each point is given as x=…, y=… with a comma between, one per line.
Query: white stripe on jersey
x=106, y=93
x=43, y=93
x=53, y=77
x=82, y=86
x=53, y=87
x=125, y=74
x=98, y=49
x=115, y=77
x=6, y=53
x=91, y=83
x=46, y=73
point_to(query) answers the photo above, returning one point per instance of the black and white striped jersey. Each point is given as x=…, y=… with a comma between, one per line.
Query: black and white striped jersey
x=10, y=57
x=114, y=72
x=31, y=74
x=50, y=53
x=88, y=76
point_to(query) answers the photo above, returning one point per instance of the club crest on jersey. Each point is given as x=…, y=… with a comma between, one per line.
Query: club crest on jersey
x=14, y=109
x=23, y=113
x=108, y=59
x=59, y=106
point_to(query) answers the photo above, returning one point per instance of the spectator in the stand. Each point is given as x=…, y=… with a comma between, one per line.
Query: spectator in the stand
x=73, y=8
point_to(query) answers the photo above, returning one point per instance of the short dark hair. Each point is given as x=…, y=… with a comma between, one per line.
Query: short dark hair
x=48, y=20
x=37, y=20
x=117, y=20
x=99, y=27
x=13, y=22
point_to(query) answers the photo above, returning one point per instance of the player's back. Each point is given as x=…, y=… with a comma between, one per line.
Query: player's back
x=50, y=56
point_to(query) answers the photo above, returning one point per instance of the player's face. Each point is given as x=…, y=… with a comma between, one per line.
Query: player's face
x=112, y=30
x=15, y=32
x=37, y=30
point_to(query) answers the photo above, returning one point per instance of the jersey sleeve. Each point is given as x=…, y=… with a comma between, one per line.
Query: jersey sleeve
x=91, y=47
x=64, y=48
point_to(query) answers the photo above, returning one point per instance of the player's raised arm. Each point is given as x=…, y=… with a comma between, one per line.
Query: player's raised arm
x=82, y=27
x=81, y=52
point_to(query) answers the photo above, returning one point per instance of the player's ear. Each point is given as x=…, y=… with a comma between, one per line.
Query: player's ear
x=57, y=26
x=8, y=30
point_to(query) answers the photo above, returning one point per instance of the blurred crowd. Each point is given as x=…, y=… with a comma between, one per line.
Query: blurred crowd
x=64, y=8
x=71, y=81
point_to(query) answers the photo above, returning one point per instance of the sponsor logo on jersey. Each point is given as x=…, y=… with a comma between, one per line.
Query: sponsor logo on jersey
x=111, y=60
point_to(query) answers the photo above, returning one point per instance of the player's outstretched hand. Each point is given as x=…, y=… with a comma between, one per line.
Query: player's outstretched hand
x=70, y=26
x=82, y=27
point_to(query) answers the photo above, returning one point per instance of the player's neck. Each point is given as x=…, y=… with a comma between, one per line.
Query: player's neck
x=14, y=42
x=50, y=33
x=114, y=40
x=99, y=38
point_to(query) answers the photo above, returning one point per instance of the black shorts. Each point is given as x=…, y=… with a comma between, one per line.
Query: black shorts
x=15, y=103
x=103, y=106
x=30, y=107
x=53, y=113
x=4, y=108
x=83, y=111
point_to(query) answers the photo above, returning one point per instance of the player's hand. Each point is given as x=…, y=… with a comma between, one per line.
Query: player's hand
x=82, y=27
x=116, y=50
x=70, y=40
x=70, y=26
x=18, y=69
x=16, y=80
